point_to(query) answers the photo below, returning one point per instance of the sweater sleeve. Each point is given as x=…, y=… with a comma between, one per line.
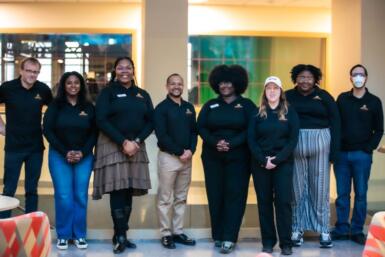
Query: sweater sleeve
x=149, y=119
x=102, y=121
x=241, y=138
x=165, y=141
x=285, y=153
x=335, y=125
x=91, y=140
x=203, y=130
x=49, y=129
x=378, y=128
x=252, y=140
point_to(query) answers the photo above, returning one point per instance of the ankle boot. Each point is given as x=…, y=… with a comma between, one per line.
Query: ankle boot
x=120, y=227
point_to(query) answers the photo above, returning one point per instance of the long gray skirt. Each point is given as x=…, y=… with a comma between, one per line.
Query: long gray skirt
x=114, y=170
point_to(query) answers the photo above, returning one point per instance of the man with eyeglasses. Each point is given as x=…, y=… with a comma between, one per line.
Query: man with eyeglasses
x=362, y=126
x=24, y=98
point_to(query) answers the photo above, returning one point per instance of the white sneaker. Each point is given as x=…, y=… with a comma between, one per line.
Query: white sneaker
x=325, y=240
x=81, y=243
x=62, y=244
x=297, y=238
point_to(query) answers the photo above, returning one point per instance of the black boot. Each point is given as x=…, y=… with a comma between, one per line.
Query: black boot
x=128, y=244
x=120, y=227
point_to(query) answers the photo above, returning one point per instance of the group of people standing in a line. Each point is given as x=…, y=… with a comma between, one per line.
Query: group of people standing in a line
x=286, y=144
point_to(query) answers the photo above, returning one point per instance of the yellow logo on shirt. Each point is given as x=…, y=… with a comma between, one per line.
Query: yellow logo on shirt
x=238, y=106
x=139, y=95
x=83, y=113
x=364, y=108
x=317, y=98
x=188, y=112
x=38, y=97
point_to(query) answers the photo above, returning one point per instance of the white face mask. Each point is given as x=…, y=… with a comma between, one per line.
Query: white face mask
x=359, y=81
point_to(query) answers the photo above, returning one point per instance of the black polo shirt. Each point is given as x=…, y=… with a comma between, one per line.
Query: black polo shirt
x=318, y=110
x=175, y=126
x=23, y=114
x=70, y=127
x=124, y=113
x=229, y=121
x=269, y=136
x=362, y=121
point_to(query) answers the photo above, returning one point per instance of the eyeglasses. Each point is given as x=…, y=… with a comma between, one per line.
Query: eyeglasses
x=358, y=74
x=34, y=72
x=303, y=78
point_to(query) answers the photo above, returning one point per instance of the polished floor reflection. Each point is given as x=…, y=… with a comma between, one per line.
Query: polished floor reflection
x=204, y=248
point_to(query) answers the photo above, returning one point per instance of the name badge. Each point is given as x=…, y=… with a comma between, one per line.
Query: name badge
x=121, y=95
x=214, y=106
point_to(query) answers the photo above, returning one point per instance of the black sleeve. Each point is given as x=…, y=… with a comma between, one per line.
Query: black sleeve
x=101, y=110
x=378, y=128
x=160, y=121
x=241, y=138
x=48, y=96
x=285, y=153
x=2, y=93
x=149, y=119
x=91, y=140
x=335, y=125
x=203, y=130
x=194, y=131
x=49, y=129
x=252, y=140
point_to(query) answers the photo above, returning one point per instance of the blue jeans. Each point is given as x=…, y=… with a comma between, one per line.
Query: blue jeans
x=352, y=166
x=70, y=182
x=12, y=168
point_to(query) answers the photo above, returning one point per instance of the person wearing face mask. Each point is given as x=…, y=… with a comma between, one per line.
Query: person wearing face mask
x=175, y=128
x=222, y=124
x=362, y=124
x=124, y=116
x=272, y=137
x=318, y=145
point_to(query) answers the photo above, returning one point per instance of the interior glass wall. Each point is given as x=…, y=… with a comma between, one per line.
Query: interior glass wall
x=261, y=56
x=92, y=55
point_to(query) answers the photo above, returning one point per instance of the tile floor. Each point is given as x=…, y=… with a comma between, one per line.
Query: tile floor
x=204, y=248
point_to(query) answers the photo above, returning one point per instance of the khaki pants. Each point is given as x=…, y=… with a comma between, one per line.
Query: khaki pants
x=174, y=181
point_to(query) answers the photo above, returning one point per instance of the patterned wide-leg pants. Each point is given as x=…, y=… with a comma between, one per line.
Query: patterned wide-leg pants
x=311, y=181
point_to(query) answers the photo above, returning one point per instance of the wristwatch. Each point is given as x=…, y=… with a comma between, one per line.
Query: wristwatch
x=137, y=140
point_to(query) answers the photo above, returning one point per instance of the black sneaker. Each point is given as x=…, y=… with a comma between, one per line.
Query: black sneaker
x=297, y=238
x=338, y=236
x=167, y=242
x=325, y=240
x=227, y=247
x=81, y=243
x=358, y=238
x=267, y=249
x=183, y=239
x=62, y=244
x=286, y=250
x=217, y=243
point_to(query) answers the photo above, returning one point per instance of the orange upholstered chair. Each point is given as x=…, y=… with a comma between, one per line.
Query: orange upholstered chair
x=375, y=242
x=26, y=235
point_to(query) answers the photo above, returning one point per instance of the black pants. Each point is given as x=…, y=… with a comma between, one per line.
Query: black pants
x=121, y=205
x=227, y=178
x=12, y=168
x=274, y=186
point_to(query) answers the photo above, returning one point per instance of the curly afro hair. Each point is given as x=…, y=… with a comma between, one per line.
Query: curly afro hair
x=235, y=74
x=296, y=70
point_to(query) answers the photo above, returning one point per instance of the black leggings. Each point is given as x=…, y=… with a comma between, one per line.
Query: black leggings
x=121, y=205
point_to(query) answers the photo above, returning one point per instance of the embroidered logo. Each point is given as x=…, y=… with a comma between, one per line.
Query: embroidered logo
x=139, y=95
x=83, y=113
x=364, y=108
x=188, y=112
x=238, y=106
x=38, y=97
x=317, y=98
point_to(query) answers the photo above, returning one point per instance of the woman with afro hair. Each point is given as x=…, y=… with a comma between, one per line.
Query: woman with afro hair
x=318, y=144
x=222, y=124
